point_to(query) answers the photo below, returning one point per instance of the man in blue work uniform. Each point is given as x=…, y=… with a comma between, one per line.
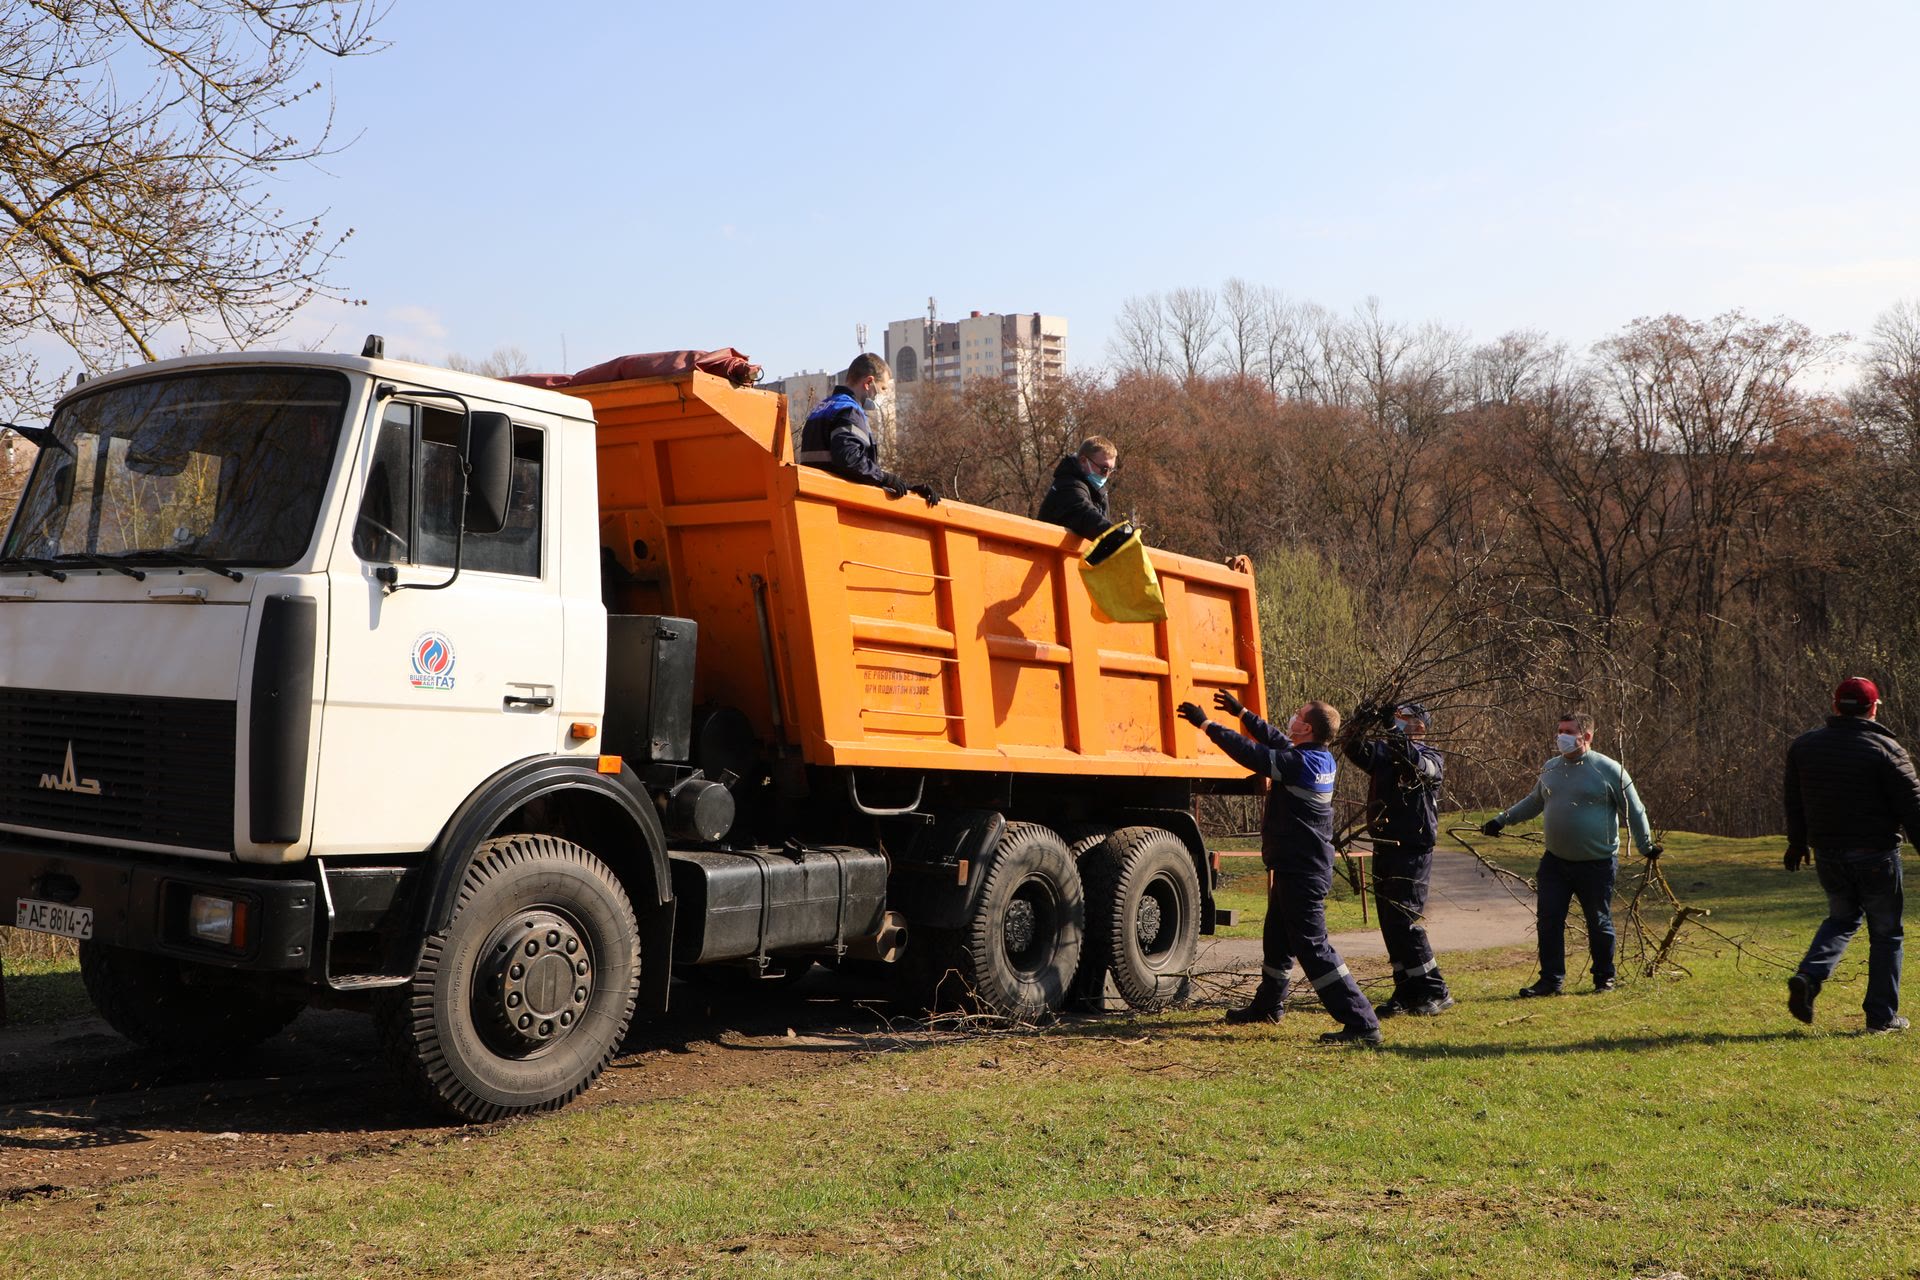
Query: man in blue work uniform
x=1850, y=789
x=1403, y=818
x=1296, y=844
x=1585, y=797
x=837, y=436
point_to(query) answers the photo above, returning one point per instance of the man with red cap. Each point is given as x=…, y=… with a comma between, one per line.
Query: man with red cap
x=1850, y=790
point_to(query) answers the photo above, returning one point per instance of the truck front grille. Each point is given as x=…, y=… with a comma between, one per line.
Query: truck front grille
x=158, y=770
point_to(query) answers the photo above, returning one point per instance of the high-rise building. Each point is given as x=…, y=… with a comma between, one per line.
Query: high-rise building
x=1027, y=349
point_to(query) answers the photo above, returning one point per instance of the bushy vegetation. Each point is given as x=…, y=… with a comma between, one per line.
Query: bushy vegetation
x=1685, y=530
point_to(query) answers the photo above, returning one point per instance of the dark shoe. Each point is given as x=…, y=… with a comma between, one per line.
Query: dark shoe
x=1800, y=993
x=1432, y=1008
x=1391, y=1008
x=1605, y=984
x=1257, y=1012
x=1540, y=988
x=1895, y=1023
x=1369, y=1036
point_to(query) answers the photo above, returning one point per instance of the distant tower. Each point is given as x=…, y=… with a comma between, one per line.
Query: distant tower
x=860, y=332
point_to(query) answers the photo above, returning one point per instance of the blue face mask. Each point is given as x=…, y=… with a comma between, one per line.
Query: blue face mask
x=1097, y=481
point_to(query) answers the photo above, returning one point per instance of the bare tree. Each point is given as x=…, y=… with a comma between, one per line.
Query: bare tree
x=502, y=362
x=1139, y=342
x=1193, y=326
x=1244, y=310
x=1887, y=397
x=137, y=143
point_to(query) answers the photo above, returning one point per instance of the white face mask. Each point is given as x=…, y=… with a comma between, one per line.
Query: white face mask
x=1567, y=742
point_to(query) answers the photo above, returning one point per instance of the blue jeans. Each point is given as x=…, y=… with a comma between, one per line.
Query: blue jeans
x=1861, y=886
x=1560, y=882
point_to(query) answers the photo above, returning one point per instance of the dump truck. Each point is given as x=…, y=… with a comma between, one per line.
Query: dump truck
x=490, y=708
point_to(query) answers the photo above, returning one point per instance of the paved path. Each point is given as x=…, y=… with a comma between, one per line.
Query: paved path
x=1468, y=909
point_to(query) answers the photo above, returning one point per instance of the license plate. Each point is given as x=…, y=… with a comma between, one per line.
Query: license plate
x=53, y=917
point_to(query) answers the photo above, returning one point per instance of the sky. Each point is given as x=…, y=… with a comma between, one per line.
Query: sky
x=586, y=179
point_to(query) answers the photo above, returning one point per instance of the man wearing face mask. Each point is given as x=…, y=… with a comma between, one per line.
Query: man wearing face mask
x=837, y=436
x=1403, y=818
x=1296, y=844
x=1585, y=797
x=1077, y=499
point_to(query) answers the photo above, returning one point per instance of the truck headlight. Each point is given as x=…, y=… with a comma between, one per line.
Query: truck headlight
x=218, y=920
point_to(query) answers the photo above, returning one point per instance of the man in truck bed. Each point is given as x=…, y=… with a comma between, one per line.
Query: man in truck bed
x=838, y=437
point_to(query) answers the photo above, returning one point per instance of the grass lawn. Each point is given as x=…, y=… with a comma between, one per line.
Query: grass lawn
x=42, y=977
x=1682, y=1124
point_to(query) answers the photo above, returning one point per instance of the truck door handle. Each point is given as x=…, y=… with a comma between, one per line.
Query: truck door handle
x=541, y=703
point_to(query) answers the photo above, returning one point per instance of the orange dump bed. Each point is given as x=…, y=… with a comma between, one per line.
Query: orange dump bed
x=949, y=637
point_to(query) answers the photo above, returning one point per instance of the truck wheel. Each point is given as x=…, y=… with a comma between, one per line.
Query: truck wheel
x=152, y=1001
x=1143, y=915
x=525, y=997
x=1021, y=949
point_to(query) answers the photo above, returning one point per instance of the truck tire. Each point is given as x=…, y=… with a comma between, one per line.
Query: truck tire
x=1143, y=915
x=1020, y=951
x=526, y=996
x=152, y=1001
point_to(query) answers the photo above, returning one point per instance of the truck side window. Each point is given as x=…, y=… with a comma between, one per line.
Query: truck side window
x=383, y=532
x=415, y=477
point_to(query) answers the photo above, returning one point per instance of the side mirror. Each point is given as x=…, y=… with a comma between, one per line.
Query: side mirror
x=489, y=471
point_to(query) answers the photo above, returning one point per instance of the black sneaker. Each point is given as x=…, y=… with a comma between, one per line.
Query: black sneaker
x=1895, y=1023
x=1369, y=1036
x=1605, y=984
x=1256, y=1012
x=1392, y=1008
x=1432, y=1008
x=1800, y=993
x=1538, y=989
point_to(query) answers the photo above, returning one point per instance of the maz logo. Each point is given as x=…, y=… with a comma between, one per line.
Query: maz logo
x=68, y=781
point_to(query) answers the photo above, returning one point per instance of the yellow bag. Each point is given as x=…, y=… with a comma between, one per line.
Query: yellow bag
x=1121, y=579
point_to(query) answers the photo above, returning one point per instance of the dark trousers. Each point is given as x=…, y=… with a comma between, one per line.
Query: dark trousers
x=1869, y=887
x=1296, y=929
x=1400, y=875
x=1561, y=881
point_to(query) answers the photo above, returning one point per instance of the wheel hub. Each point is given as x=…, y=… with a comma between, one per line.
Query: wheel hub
x=539, y=978
x=1020, y=926
x=1146, y=923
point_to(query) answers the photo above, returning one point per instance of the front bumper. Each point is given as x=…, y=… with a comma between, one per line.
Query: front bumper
x=139, y=901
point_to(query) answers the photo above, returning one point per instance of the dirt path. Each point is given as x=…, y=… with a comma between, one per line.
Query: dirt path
x=81, y=1108
x=1468, y=909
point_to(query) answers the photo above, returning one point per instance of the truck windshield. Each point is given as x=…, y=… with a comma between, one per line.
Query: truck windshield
x=225, y=466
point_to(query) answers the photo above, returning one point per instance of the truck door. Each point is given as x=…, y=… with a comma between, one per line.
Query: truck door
x=429, y=692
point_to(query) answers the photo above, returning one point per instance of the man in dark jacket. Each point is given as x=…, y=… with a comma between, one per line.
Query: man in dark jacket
x=837, y=436
x=1850, y=789
x=1403, y=819
x=1078, y=498
x=1296, y=844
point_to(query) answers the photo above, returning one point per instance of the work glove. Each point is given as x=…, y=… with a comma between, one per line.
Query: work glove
x=1491, y=827
x=1192, y=714
x=895, y=487
x=1228, y=703
x=925, y=491
x=1654, y=851
x=1793, y=859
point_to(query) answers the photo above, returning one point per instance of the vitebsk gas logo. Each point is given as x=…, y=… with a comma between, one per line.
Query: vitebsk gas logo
x=432, y=662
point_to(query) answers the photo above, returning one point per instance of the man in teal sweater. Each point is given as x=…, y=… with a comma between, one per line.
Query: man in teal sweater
x=1585, y=797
